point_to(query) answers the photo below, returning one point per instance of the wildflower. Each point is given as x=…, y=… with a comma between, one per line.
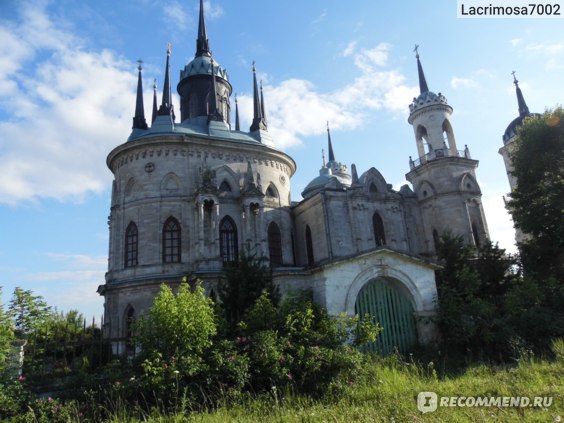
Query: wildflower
x=231, y=358
x=289, y=376
x=176, y=372
x=21, y=378
x=132, y=379
x=50, y=399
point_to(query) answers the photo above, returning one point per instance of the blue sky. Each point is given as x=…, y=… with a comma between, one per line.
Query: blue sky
x=68, y=79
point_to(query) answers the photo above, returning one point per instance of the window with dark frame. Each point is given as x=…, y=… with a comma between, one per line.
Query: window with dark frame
x=379, y=234
x=171, y=241
x=309, y=247
x=274, y=244
x=131, y=245
x=228, y=243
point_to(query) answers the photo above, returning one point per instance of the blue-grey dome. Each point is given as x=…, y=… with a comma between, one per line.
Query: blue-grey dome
x=201, y=65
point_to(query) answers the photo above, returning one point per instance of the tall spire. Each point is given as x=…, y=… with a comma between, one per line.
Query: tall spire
x=237, y=127
x=423, y=88
x=139, y=121
x=155, y=109
x=330, y=145
x=166, y=104
x=523, y=109
x=258, y=120
x=202, y=43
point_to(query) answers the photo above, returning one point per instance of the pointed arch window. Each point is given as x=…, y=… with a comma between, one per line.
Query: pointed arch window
x=228, y=243
x=271, y=191
x=225, y=187
x=378, y=227
x=274, y=244
x=475, y=235
x=131, y=250
x=171, y=241
x=309, y=247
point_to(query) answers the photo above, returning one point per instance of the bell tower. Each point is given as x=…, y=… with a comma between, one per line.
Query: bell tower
x=442, y=176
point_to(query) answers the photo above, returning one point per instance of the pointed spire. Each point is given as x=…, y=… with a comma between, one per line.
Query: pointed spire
x=330, y=148
x=262, y=103
x=202, y=43
x=354, y=174
x=323, y=157
x=523, y=109
x=139, y=121
x=258, y=120
x=166, y=104
x=423, y=88
x=155, y=109
x=237, y=126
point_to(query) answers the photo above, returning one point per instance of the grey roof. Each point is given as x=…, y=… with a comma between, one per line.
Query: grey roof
x=201, y=65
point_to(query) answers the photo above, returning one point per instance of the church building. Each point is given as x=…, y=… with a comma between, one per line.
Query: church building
x=192, y=190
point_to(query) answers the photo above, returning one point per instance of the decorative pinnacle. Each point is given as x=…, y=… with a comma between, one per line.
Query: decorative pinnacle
x=514, y=78
x=168, y=48
x=140, y=67
x=416, y=50
x=323, y=156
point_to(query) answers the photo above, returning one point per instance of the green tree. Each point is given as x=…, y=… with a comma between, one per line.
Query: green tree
x=537, y=203
x=29, y=312
x=243, y=285
x=177, y=325
x=6, y=334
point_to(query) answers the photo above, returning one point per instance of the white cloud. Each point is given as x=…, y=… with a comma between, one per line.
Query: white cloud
x=63, y=114
x=457, y=82
x=296, y=108
x=547, y=48
x=350, y=48
x=176, y=15
x=320, y=18
x=516, y=42
x=211, y=10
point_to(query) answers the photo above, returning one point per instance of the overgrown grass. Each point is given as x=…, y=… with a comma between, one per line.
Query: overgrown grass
x=387, y=392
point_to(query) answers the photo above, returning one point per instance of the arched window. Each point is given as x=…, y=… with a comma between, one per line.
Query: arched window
x=309, y=247
x=225, y=187
x=131, y=245
x=378, y=226
x=274, y=244
x=373, y=188
x=228, y=243
x=171, y=241
x=271, y=191
x=476, y=235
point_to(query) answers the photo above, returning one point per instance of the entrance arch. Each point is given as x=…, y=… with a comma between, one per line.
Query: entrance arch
x=389, y=305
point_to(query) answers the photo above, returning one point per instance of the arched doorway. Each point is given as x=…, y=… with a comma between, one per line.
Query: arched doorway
x=389, y=305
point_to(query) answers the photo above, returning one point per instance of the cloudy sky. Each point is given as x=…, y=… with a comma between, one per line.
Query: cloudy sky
x=68, y=79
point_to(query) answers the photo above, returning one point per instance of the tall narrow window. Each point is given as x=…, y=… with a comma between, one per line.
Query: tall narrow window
x=171, y=241
x=379, y=234
x=228, y=244
x=131, y=245
x=476, y=235
x=309, y=247
x=274, y=244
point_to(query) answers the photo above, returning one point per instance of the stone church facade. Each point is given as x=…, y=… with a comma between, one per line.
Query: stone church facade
x=191, y=192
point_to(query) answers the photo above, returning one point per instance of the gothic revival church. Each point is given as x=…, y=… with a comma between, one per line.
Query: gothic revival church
x=190, y=192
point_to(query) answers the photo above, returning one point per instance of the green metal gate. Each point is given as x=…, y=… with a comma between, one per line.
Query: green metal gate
x=384, y=301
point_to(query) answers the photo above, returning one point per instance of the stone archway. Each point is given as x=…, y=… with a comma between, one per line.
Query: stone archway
x=389, y=304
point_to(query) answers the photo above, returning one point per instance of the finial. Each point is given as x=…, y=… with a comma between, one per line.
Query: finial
x=323, y=156
x=155, y=83
x=514, y=78
x=168, y=48
x=140, y=67
x=416, y=50
x=254, y=68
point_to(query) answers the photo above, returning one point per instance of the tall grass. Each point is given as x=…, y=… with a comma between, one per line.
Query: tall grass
x=387, y=392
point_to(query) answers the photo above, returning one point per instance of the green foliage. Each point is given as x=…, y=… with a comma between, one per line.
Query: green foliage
x=243, y=285
x=178, y=325
x=6, y=334
x=473, y=289
x=537, y=203
x=29, y=312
